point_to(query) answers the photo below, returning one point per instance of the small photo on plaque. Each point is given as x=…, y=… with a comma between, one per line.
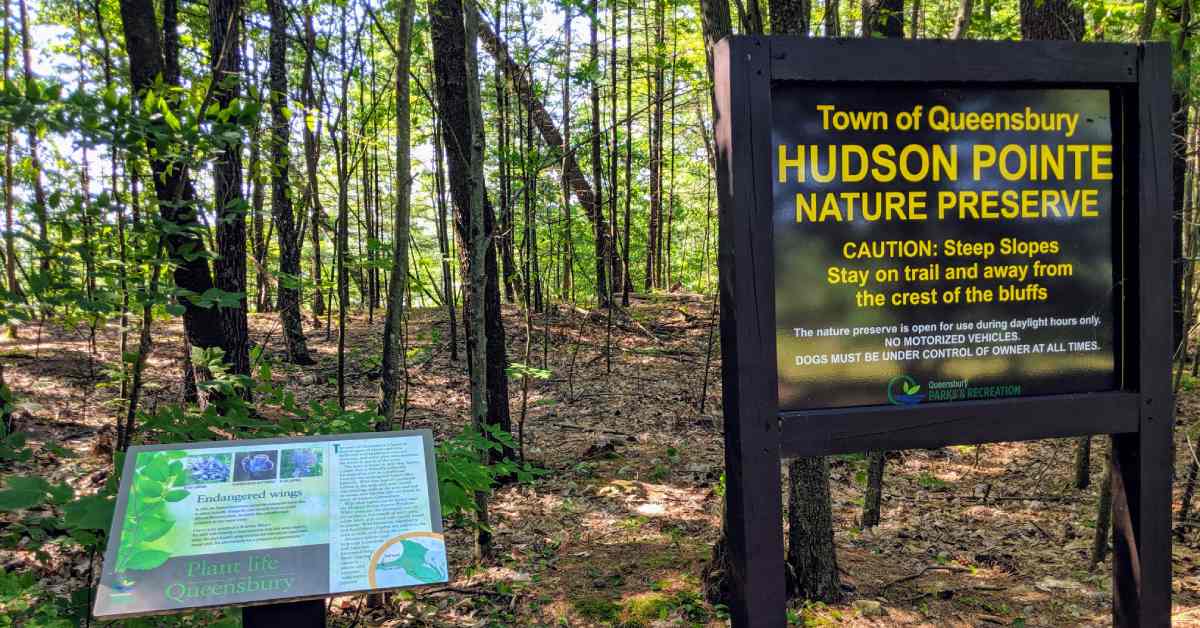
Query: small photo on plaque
x=256, y=465
x=300, y=463
x=208, y=469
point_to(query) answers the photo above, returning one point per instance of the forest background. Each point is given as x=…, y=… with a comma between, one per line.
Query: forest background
x=248, y=218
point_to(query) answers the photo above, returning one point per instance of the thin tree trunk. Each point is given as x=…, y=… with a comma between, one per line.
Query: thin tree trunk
x=1103, y=515
x=833, y=22
x=281, y=193
x=600, y=230
x=626, y=281
x=312, y=147
x=225, y=19
x=258, y=228
x=41, y=211
x=1083, y=462
x=10, y=248
x=394, y=321
x=876, y=464
x=504, y=169
x=962, y=22
x=568, y=272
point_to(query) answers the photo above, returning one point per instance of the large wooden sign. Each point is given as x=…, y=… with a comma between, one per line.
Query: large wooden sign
x=201, y=525
x=933, y=243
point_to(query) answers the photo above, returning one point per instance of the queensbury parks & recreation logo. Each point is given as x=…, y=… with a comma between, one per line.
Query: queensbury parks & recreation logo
x=903, y=390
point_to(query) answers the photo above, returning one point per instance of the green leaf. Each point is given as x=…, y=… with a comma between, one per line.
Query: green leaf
x=14, y=499
x=154, y=528
x=28, y=483
x=92, y=512
x=157, y=470
x=143, y=560
x=147, y=487
x=176, y=495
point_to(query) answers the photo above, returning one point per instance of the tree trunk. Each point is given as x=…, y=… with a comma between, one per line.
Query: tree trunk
x=394, y=321
x=1051, y=19
x=716, y=572
x=790, y=16
x=1146, y=28
x=10, y=247
x=568, y=273
x=883, y=18
x=1083, y=462
x=1103, y=515
x=258, y=227
x=876, y=464
x=504, y=169
x=443, y=235
x=172, y=183
x=811, y=558
x=626, y=281
x=963, y=20
x=453, y=31
x=225, y=20
x=312, y=148
x=40, y=210
x=599, y=225
x=833, y=22
x=654, y=236
x=281, y=193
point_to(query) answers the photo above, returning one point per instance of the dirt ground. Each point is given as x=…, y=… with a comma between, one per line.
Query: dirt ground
x=616, y=532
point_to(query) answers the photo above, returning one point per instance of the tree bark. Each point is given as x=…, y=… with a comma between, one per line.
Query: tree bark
x=40, y=209
x=790, y=16
x=599, y=225
x=1103, y=515
x=811, y=558
x=962, y=21
x=566, y=158
x=876, y=464
x=10, y=247
x=312, y=148
x=833, y=22
x=225, y=20
x=443, y=234
x=1083, y=459
x=281, y=192
x=454, y=29
x=654, y=236
x=1051, y=19
x=883, y=18
x=172, y=183
x=394, y=320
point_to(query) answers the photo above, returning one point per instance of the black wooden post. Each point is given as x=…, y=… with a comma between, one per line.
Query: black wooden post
x=1142, y=462
x=754, y=509
x=304, y=614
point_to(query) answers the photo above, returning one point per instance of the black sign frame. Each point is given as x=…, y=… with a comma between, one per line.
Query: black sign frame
x=1138, y=415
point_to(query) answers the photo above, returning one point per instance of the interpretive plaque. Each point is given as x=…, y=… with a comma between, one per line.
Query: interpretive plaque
x=244, y=522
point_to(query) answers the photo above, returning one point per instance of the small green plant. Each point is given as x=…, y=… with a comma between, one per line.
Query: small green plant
x=930, y=481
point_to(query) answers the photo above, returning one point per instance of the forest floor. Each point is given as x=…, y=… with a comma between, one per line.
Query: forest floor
x=617, y=531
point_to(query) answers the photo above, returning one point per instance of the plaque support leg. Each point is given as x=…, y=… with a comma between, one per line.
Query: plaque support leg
x=306, y=614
